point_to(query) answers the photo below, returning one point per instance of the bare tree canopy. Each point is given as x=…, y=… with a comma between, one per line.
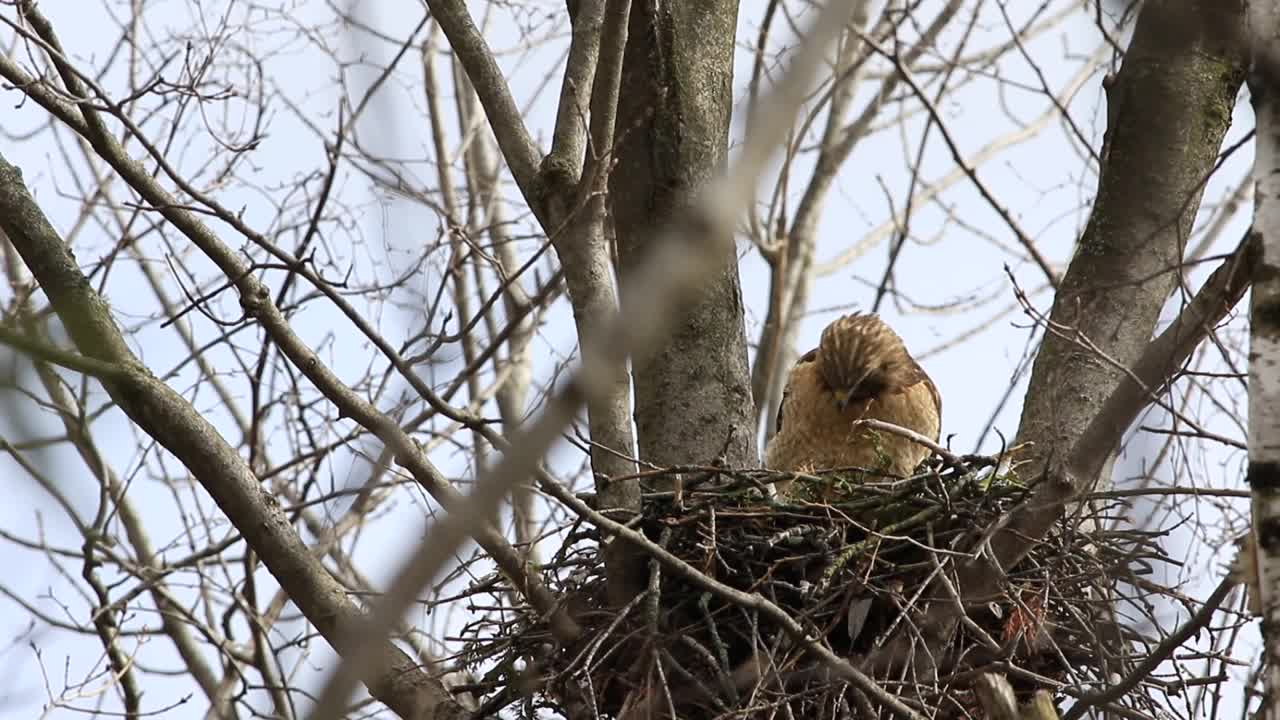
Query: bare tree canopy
x=419, y=359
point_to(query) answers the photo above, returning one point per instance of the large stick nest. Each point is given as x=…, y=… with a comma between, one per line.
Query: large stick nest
x=856, y=572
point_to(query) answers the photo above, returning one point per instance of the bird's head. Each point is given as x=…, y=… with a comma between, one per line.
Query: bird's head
x=860, y=357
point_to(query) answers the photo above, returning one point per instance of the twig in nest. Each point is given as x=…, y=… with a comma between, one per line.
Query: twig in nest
x=911, y=435
x=714, y=620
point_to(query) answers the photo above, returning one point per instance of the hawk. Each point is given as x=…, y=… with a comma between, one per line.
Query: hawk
x=860, y=370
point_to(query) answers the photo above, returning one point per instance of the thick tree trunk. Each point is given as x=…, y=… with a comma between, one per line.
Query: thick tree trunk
x=692, y=397
x=1264, y=337
x=1168, y=110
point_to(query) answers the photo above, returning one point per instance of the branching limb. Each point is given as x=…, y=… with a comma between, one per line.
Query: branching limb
x=1075, y=474
x=258, y=304
x=392, y=676
x=915, y=437
x=518, y=147
x=569, y=138
x=1155, y=657
x=57, y=356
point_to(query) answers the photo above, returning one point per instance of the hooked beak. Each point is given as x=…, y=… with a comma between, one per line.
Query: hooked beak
x=845, y=398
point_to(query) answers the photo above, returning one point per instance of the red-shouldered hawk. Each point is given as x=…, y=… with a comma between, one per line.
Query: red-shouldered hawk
x=860, y=370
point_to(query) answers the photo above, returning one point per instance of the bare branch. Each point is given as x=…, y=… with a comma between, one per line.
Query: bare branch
x=569, y=139
x=256, y=301
x=981, y=577
x=392, y=676
x=1156, y=656
x=518, y=147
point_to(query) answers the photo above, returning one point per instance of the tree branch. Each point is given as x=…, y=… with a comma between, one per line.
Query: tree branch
x=1169, y=107
x=256, y=300
x=583, y=250
x=1154, y=370
x=981, y=578
x=45, y=352
x=518, y=147
x=1155, y=657
x=569, y=138
x=392, y=677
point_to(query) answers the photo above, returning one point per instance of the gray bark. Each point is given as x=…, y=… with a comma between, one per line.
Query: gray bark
x=564, y=191
x=693, y=399
x=1264, y=339
x=1168, y=110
